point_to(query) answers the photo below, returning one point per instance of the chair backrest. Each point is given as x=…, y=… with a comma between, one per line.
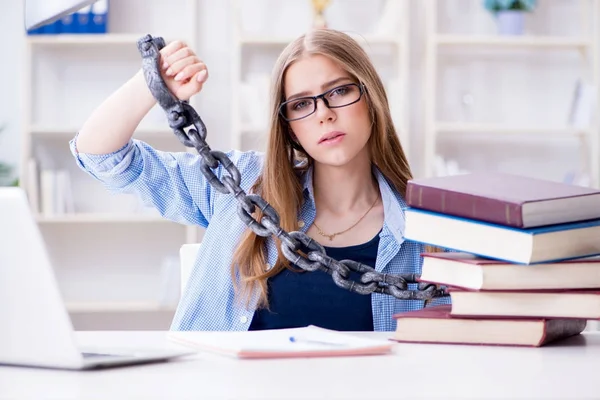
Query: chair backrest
x=187, y=256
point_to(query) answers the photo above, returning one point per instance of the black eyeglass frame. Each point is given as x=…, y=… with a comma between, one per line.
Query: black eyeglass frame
x=361, y=89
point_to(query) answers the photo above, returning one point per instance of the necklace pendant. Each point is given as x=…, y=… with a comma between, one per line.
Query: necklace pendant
x=331, y=237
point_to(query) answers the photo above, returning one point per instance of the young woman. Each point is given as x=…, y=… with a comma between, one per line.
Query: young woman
x=334, y=169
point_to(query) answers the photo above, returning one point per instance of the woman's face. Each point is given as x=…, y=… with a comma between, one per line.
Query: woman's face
x=333, y=136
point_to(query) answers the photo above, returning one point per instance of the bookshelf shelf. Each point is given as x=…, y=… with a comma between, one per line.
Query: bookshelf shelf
x=69, y=132
x=450, y=127
x=284, y=40
x=511, y=42
x=120, y=307
x=85, y=39
x=85, y=218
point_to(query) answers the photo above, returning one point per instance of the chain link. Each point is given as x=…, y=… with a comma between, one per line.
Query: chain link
x=296, y=246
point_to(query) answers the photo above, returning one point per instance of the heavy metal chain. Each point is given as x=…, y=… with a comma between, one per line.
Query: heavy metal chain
x=182, y=115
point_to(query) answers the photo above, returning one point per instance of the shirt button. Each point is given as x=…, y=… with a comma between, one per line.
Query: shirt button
x=301, y=223
x=243, y=319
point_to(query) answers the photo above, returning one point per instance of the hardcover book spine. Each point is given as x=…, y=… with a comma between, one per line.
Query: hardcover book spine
x=464, y=205
x=556, y=329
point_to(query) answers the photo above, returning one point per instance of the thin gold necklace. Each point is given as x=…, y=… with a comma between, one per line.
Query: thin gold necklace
x=332, y=235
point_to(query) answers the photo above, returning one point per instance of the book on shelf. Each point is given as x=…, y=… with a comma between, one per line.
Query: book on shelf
x=436, y=324
x=33, y=185
x=522, y=246
x=504, y=199
x=309, y=341
x=468, y=271
x=55, y=192
x=583, y=105
x=98, y=17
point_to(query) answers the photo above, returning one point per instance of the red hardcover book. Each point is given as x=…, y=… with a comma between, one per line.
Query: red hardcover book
x=505, y=199
x=436, y=325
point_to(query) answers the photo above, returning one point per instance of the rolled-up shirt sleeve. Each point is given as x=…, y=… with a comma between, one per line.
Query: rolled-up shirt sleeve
x=104, y=165
x=171, y=182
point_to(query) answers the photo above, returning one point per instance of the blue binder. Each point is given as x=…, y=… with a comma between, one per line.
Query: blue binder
x=99, y=17
x=82, y=20
x=67, y=24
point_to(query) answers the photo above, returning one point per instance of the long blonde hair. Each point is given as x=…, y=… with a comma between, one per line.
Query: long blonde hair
x=280, y=182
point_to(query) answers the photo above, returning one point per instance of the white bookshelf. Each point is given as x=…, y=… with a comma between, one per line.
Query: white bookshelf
x=482, y=44
x=111, y=255
x=254, y=52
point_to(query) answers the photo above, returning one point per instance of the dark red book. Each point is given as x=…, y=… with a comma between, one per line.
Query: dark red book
x=504, y=199
x=436, y=325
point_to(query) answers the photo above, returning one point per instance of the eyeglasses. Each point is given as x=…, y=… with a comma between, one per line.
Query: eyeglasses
x=302, y=107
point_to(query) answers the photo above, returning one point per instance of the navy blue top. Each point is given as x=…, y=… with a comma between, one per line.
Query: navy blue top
x=299, y=298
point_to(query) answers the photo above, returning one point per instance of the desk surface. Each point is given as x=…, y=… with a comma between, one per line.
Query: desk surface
x=564, y=370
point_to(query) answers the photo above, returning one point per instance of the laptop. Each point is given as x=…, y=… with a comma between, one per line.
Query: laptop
x=35, y=327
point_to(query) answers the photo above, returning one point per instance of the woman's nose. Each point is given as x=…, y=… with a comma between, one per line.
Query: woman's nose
x=324, y=113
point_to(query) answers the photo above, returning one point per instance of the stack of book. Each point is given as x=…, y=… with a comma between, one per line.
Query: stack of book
x=523, y=266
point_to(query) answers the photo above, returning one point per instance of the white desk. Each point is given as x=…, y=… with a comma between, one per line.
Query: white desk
x=567, y=370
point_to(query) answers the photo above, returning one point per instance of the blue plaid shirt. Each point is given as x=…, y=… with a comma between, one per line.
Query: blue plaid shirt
x=172, y=183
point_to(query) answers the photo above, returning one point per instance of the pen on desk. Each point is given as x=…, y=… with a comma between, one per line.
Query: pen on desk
x=295, y=339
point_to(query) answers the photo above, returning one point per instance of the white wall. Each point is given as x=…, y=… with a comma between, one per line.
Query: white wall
x=505, y=89
x=11, y=28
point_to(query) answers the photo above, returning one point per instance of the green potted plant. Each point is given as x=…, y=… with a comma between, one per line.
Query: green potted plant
x=6, y=172
x=510, y=14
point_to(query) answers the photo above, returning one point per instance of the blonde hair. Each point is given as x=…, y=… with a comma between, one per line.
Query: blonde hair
x=280, y=182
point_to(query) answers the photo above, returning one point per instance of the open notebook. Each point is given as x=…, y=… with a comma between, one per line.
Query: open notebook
x=310, y=341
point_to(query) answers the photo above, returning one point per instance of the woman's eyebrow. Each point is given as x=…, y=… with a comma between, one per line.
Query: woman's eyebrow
x=324, y=86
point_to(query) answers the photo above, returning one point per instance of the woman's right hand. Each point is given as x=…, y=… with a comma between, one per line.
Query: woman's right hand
x=183, y=72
